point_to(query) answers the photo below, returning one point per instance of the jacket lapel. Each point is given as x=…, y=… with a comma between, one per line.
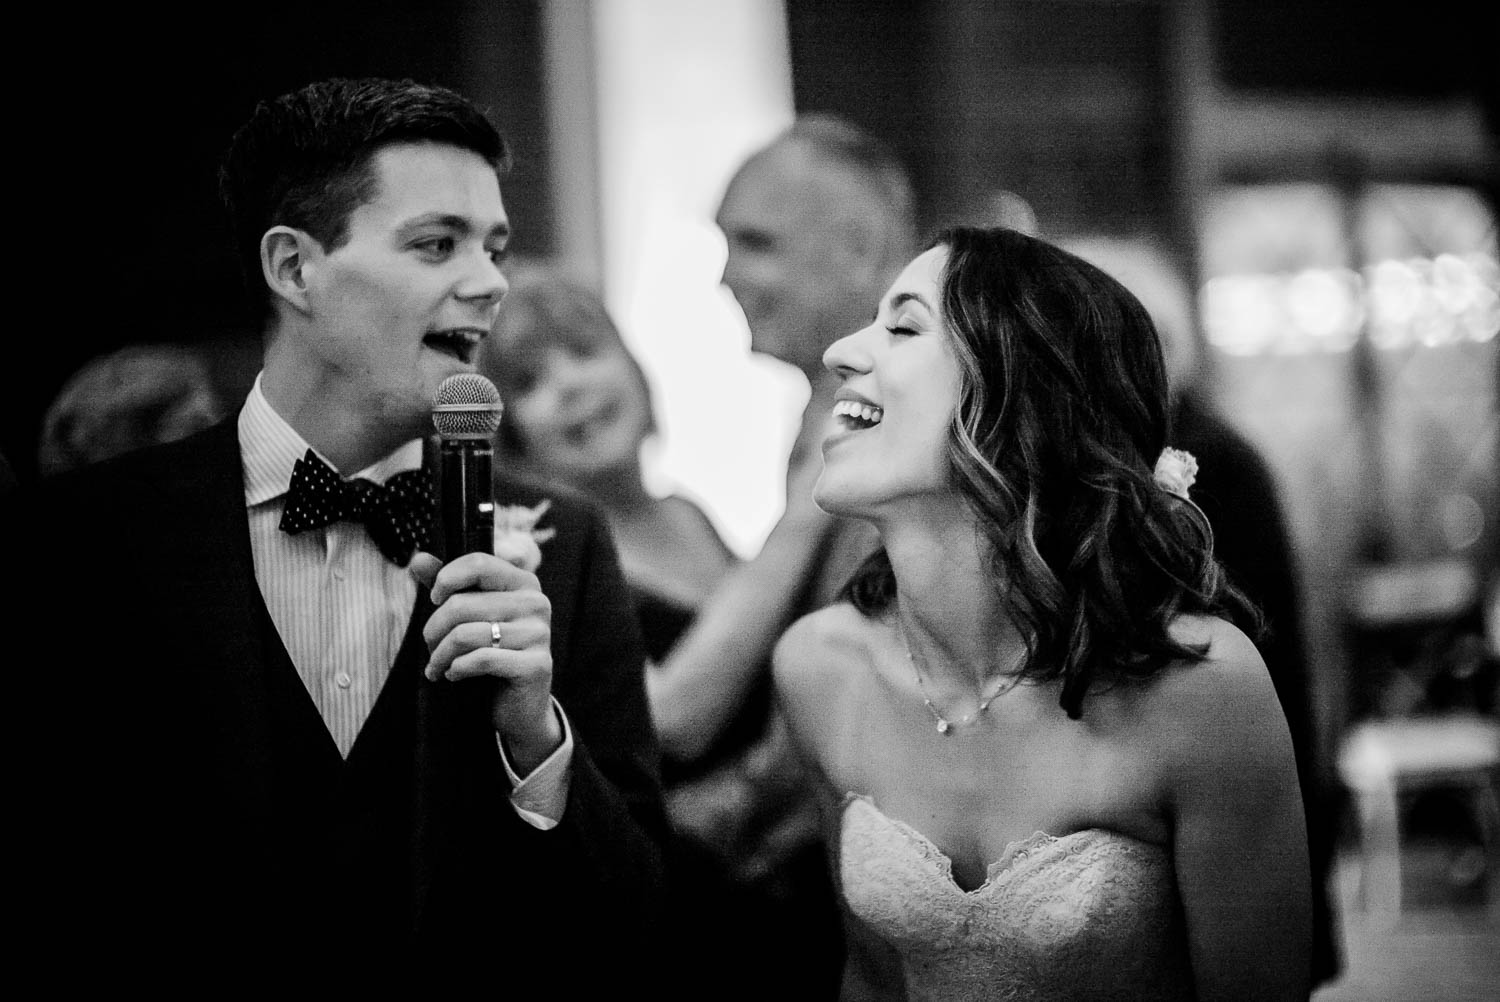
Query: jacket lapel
x=208, y=587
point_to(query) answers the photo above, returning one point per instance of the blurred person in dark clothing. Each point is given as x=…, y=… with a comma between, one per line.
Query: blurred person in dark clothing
x=578, y=411
x=816, y=224
x=276, y=736
x=1238, y=492
x=139, y=395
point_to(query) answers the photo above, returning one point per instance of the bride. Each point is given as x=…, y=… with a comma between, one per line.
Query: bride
x=1052, y=766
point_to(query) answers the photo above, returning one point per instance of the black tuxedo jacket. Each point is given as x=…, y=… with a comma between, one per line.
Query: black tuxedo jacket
x=151, y=790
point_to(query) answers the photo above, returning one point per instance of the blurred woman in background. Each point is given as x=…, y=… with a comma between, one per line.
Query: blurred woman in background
x=578, y=410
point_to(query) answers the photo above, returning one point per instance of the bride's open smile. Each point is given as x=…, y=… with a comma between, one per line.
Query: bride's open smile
x=900, y=390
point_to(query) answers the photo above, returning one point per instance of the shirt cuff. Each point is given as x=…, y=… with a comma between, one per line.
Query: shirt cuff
x=540, y=798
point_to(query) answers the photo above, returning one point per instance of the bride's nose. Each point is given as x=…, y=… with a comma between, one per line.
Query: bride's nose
x=849, y=356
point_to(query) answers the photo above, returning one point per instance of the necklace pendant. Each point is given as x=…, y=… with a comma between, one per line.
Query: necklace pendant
x=942, y=726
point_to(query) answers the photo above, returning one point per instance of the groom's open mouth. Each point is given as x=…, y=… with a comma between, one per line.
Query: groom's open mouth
x=460, y=342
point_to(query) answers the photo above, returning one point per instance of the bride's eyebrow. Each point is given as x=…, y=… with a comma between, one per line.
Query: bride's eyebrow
x=901, y=299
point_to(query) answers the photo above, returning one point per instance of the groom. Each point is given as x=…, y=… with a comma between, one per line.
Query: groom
x=265, y=735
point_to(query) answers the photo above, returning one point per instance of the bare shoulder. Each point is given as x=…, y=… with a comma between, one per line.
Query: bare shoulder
x=691, y=522
x=815, y=651
x=1213, y=712
x=816, y=665
x=1232, y=675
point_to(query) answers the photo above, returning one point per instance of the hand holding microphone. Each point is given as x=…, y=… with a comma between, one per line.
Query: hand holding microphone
x=492, y=618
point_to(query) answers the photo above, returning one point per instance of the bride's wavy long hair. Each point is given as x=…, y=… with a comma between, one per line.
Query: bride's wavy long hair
x=1063, y=411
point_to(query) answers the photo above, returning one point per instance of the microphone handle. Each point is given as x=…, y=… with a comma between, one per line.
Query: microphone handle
x=468, y=498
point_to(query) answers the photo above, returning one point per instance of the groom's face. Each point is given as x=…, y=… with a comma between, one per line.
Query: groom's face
x=404, y=302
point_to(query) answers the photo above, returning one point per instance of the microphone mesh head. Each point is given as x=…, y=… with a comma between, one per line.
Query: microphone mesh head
x=466, y=406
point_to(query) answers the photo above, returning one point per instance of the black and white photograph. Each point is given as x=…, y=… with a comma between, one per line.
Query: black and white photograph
x=890, y=501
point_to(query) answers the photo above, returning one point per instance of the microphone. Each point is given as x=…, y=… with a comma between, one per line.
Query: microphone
x=466, y=412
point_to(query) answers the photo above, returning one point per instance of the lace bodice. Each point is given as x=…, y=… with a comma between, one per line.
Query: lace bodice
x=1089, y=916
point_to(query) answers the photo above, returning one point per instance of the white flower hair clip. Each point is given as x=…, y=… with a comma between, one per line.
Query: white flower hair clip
x=517, y=537
x=1175, y=472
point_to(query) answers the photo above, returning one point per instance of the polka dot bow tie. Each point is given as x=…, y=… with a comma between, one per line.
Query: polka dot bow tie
x=398, y=516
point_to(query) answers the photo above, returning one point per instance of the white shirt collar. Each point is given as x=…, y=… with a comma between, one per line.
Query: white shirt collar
x=269, y=448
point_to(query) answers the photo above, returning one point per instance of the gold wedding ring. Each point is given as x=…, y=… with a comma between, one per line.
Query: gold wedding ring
x=494, y=634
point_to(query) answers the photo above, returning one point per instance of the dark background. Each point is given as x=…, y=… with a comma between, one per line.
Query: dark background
x=1067, y=102
x=140, y=106
x=1076, y=105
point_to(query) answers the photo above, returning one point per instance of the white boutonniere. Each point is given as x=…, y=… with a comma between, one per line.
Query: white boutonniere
x=1175, y=471
x=517, y=537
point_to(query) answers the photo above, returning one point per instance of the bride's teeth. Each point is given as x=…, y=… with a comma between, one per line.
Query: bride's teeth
x=866, y=414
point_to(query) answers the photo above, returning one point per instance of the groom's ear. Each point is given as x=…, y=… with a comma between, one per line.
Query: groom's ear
x=286, y=255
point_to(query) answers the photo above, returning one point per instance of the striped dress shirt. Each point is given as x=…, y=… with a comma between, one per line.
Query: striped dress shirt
x=341, y=608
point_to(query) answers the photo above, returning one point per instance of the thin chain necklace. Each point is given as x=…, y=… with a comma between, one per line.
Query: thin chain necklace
x=944, y=725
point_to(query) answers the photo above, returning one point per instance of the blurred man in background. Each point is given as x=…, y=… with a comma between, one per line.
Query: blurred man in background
x=817, y=225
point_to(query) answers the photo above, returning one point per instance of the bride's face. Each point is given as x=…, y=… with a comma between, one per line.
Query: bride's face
x=900, y=390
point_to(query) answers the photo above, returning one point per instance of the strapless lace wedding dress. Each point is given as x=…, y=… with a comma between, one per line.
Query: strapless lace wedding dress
x=1089, y=916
